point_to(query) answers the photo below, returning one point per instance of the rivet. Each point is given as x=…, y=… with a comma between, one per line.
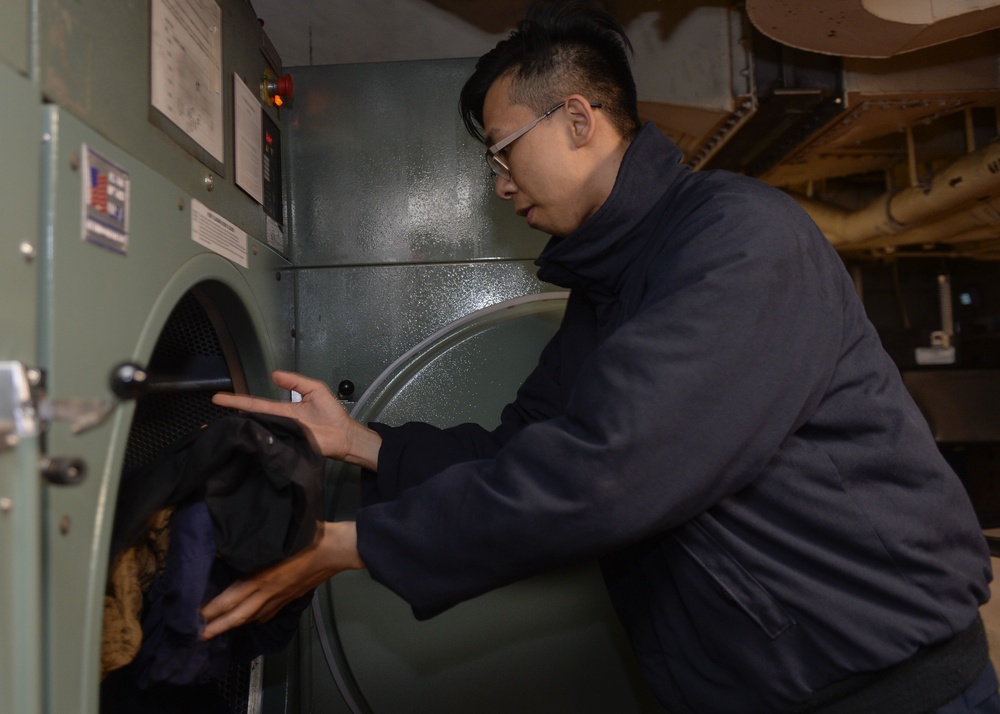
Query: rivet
x=180, y=204
x=254, y=251
x=74, y=161
x=209, y=181
x=6, y=504
x=64, y=525
x=277, y=276
x=27, y=251
x=46, y=137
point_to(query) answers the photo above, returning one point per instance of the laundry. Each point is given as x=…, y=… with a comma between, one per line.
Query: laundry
x=131, y=575
x=247, y=493
x=258, y=475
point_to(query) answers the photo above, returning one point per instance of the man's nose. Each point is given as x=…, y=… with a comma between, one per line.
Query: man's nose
x=505, y=188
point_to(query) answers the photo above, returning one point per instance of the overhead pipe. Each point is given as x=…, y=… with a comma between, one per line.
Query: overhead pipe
x=979, y=220
x=973, y=176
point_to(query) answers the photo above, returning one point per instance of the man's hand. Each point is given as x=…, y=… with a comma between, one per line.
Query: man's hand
x=327, y=425
x=260, y=597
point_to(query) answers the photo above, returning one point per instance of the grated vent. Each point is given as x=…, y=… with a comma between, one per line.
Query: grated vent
x=188, y=347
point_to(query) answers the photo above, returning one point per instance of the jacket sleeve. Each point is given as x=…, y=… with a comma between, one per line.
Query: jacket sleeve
x=728, y=353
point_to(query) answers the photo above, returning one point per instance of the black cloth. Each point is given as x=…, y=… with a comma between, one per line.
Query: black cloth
x=261, y=480
x=715, y=421
x=248, y=491
x=174, y=664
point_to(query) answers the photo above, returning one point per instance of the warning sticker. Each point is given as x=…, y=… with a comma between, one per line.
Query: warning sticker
x=214, y=232
x=105, y=202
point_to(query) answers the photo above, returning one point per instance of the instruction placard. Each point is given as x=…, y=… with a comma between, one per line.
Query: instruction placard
x=249, y=158
x=186, y=68
x=217, y=234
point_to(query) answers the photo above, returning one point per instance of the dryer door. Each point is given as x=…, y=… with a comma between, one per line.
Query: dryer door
x=551, y=643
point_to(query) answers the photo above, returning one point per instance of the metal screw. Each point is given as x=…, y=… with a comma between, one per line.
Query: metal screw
x=277, y=276
x=180, y=204
x=74, y=161
x=6, y=504
x=46, y=137
x=254, y=250
x=209, y=181
x=64, y=525
x=27, y=251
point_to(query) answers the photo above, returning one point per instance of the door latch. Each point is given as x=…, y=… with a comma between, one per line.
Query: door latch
x=26, y=411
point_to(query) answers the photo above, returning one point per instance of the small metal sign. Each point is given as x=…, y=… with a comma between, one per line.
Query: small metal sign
x=106, y=189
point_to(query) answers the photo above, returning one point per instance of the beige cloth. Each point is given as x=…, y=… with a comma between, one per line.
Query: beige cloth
x=131, y=575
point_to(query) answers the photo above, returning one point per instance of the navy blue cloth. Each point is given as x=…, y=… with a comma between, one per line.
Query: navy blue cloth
x=172, y=650
x=173, y=654
x=715, y=421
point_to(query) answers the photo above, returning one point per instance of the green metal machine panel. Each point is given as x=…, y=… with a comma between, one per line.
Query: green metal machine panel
x=98, y=308
x=94, y=61
x=383, y=170
x=14, y=34
x=20, y=485
x=395, y=227
x=354, y=322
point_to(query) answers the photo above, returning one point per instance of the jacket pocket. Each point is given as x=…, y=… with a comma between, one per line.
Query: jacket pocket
x=733, y=579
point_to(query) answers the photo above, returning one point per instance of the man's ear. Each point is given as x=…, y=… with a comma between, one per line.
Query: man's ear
x=583, y=123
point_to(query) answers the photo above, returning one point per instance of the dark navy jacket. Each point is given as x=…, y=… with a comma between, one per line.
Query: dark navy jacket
x=717, y=422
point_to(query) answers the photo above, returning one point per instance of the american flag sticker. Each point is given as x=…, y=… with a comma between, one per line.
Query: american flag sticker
x=105, y=202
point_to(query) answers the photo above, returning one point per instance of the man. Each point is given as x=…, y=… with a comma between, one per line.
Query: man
x=715, y=421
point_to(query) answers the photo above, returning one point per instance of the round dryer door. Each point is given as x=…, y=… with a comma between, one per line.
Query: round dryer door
x=547, y=644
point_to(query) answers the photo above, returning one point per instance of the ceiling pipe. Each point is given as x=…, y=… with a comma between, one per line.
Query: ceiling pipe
x=976, y=222
x=973, y=176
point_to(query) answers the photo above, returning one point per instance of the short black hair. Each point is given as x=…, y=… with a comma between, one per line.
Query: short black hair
x=560, y=48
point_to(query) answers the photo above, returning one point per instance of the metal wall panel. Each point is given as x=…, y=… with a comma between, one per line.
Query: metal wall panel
x=395, y=226
x=94, y=61
x=383, y=170
x=20, y=484
x=354, y=322
x=14, y=34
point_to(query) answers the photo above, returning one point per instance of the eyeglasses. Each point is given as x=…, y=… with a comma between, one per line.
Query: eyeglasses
x=497, y=165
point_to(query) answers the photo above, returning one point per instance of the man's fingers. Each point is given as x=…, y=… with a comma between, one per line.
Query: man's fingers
x=250, y=404
x=231, y=608
x=293, y=381
x=228, y=599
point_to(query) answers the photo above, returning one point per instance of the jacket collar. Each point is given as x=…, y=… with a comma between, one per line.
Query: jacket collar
x=598, y=253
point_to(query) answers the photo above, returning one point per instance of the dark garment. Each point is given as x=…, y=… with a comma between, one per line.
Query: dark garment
x=261, y=480
x=716, y=422
x=921, y=684
x=980, y=697
x=174, y=661
x=249, y=490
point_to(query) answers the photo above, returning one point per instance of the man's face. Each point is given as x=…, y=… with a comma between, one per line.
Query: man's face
x=545, y=176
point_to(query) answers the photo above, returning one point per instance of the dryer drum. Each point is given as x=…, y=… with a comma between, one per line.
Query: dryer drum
x=195, y=355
